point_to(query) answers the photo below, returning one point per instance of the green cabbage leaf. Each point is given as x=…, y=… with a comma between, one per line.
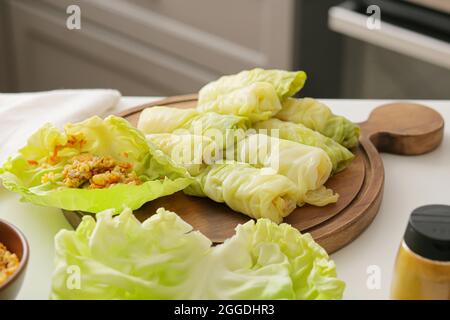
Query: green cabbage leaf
x=163, y=258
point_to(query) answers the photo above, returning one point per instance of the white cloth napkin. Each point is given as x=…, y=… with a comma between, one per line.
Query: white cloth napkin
x=24, y=113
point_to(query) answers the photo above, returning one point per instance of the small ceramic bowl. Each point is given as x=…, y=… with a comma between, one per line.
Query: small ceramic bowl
x=15, y=242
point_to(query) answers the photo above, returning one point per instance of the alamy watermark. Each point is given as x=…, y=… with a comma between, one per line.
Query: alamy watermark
x=73, y=21
x=373, y=281
x=374, y=20
x=73, y=281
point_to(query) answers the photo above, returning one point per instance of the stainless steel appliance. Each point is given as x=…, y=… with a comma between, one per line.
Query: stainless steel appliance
x=406, y=56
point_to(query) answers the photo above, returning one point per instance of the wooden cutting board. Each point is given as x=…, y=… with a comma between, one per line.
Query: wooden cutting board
x=400, y=128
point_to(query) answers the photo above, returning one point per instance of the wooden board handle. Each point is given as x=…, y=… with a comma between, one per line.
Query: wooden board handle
x=404, y=128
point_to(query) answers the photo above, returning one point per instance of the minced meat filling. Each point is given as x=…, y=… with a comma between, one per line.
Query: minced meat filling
x=9, y=263
x=97, y=172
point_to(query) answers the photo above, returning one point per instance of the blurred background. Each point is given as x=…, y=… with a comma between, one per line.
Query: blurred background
x=167, y=47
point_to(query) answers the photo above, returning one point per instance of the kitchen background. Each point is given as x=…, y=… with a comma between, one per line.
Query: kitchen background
x=166, y=47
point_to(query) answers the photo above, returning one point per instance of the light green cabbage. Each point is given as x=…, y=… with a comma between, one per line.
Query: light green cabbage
x=162, y=258
x=169, y=120
x=193, y=152
x=49, y=150
x=286, y=83
x=317, y=116
x=120, y=258
x=223, y=129
x=340, y=156
x=257, y=193
x=308, y=167
x=257, y=101
x=165, y=119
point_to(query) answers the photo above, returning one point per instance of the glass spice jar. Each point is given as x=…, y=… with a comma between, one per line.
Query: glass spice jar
x=422, y=269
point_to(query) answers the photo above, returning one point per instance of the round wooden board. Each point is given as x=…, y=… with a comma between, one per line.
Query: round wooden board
x=360, y=186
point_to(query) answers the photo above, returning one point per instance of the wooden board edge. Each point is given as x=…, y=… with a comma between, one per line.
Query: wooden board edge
x=161, y=102
x=333, y=234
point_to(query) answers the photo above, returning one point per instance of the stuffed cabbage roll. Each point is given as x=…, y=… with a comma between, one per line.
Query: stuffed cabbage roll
x=165, y=119
x=286, y=83
x=223, y=129
x=211, y=122
x=317, y=116
x=257, y=101
x=193, y=152
x=308, y=167
x=257, y=193
x=340, y=156
x=168, y=120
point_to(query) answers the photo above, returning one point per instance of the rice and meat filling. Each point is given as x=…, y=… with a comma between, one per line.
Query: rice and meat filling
x=96, y=172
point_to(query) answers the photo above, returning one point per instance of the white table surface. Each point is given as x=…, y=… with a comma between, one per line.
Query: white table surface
x=410, y=182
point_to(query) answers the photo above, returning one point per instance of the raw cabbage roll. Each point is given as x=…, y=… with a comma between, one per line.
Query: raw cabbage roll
x=258, y=193
x=193, y=152
x=169, y=119
x=308, y=167
x=286, y=83
x=214, y=125
x=340, y=156
x=317, y=116
x=257, y=101
x=164, y=119
x=223, y=129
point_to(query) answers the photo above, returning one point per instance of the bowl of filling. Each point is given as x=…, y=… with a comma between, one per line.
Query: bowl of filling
x=13, y=260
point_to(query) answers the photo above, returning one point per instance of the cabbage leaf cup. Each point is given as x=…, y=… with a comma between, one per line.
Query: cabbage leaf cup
x=49, y=150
